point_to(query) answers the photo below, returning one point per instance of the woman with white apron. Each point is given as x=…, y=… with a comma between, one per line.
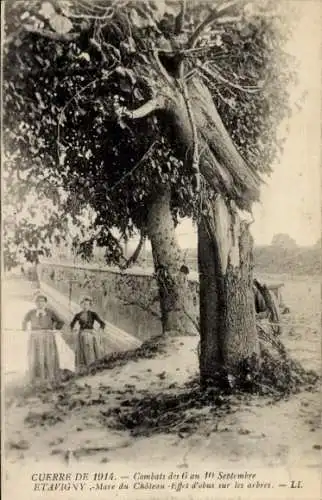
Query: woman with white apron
x=48, y=353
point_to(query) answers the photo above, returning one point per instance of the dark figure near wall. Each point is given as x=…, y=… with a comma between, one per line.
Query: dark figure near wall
x=266, y=306
x=90, y=344
x=260, y=304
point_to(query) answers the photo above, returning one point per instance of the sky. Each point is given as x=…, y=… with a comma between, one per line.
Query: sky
x=290, y=202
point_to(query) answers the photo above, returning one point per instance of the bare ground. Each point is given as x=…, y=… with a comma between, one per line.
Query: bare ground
x=92, y=420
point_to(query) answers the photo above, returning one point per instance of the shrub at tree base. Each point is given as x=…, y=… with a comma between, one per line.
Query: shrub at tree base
x=182, y=409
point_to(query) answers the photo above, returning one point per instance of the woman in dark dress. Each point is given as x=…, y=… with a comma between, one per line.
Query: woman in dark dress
x=90, y=343
x=42, y=350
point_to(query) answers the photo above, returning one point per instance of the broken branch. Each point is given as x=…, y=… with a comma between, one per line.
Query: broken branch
x=195, y=151
x=144, y=307
x=180, y=18
x=134, y=257
x=216, y=75
x=144, y=110
x=221, y=11
x=161, y=69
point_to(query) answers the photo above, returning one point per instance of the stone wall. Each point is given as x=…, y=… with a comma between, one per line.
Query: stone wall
x=129, y=299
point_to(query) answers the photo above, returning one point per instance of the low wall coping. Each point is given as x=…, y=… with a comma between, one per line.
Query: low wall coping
x=66, y=309
x=114, y=270
x=148, y=272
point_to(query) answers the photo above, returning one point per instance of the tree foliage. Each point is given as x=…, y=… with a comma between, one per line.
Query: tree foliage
x=69, y=67
x=283, y=240
x=33, y=220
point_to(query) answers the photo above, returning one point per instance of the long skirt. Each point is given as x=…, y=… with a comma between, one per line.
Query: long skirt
x=91, y=346
x=43, y=357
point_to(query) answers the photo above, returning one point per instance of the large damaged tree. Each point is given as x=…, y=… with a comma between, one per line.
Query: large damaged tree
x=153, y=110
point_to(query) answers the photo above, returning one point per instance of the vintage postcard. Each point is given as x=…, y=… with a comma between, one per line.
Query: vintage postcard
x=161, y=249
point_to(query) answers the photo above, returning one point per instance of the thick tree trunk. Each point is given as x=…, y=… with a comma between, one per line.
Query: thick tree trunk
x=229, y=343
x=227, y=315
x=167, y=257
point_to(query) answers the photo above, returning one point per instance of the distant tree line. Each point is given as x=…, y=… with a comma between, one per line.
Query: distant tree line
x=298, y=260
x=283, y=256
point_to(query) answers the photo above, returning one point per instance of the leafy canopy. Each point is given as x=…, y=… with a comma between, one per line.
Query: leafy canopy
x=69, y=67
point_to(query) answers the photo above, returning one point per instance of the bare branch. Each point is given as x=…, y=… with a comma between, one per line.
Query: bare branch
x=161, y=69
x=61, y=114
x=211, y=84
x=181, y=73
x=52, y=35
x=134, y=257
x=218, y=13
x=183, y=52
x=193, y=321
x=141, y=305
x=180, y=18
x=195, y=148
x=217, y=76
x=146, y=109
x=92, y=6
x=137, y=165
x=229, y=19
x=191, y=74
x=107, y=15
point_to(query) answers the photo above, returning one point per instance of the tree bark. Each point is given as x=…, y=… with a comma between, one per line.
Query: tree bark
x=220, y=162
x=229, y=342
x=167, y=257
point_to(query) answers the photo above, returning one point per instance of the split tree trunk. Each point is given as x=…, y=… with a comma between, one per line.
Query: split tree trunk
x=229, y=342
x=173, y=285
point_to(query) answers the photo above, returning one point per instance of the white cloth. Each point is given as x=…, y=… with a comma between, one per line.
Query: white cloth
x=66, y=355
x=15, y=352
